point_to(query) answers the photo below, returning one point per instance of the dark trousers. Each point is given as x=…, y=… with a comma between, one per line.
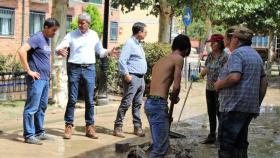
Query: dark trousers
x=234, y=133
x=133, y=94
x=75, y=74
x=213, y=109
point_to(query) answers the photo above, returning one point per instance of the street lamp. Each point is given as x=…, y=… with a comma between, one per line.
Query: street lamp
x=102, y=97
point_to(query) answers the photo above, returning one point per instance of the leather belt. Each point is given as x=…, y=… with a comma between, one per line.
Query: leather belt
x=81, y=65
x=138, y=75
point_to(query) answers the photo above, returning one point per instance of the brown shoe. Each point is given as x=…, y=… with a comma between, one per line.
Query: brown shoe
x=139, y=132
x=118, y=132
x=68, y=131
x=90, y=132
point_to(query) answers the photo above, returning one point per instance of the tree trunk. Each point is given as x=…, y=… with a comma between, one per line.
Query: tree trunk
x=271, y=47
x=59, y=75
x=165, y=16
x=208, y=26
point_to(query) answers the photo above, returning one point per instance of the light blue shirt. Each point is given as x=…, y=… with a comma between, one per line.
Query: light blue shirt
x=83, y=46
x=132, y=58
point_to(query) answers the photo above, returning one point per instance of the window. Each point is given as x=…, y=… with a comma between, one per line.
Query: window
x=36, y=22
x=7, y=18
x=113, y=31
x=68, y=21
x=94, y=1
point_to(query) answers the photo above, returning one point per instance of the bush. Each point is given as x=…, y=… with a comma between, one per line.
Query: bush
x=8, y=63
x=153, y=52
x=113, y=77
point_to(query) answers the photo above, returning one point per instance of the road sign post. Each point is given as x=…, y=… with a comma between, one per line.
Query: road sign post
x=187, y=19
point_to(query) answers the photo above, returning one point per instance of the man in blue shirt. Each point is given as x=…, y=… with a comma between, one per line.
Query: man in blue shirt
x=35, y=58
x=132, y=67
x=242, y=86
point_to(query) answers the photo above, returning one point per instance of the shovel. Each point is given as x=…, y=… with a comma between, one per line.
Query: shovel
x=173, y=134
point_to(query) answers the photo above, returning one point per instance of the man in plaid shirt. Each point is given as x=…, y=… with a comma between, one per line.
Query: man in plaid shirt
x=242, y=86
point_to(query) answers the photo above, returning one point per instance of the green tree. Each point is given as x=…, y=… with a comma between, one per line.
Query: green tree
x=262, y=16
x=96, y=24
x=165, y=9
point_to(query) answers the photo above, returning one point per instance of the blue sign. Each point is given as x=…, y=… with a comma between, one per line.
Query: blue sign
x=187, y=18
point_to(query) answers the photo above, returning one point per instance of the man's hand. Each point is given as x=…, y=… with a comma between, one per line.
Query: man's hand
x=63, y=52
x=217, y=85
x=128, y=78
x=34, y=75
x=174, y=100
x=115, y=52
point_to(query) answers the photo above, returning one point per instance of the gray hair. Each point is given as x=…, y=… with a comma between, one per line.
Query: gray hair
x=85, y=16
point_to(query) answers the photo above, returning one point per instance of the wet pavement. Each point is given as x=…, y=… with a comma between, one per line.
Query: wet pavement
x=264, y=136
x=264, y=133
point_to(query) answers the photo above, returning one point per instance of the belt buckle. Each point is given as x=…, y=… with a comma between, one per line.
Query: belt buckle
x=84, y=65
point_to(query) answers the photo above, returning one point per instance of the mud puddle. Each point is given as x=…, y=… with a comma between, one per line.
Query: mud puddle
x=264, y=137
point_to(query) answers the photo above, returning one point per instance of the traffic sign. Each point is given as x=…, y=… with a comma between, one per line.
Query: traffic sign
x=187, y=18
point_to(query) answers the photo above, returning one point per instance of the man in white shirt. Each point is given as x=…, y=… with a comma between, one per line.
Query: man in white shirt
x=83, y=43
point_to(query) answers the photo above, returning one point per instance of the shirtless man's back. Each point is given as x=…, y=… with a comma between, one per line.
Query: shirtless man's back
x=166, y=71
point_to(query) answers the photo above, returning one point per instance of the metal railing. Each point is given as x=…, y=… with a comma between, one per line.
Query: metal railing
x=40, y=1
x=191, y=69
x=11, y=82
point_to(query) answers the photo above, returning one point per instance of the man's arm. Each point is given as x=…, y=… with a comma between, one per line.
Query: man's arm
x=124, y=57
x=235, y=69
x=61, y=49
x=230, y=80
x=177, y=80
x=104, y=52
x=263, y=88
x=101, y=51
x=22, y=52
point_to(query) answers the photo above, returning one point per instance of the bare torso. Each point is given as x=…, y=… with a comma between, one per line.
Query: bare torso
x=163, y=75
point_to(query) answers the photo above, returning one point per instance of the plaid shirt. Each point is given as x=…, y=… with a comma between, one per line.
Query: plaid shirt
x=244, y=96
x=214, y=66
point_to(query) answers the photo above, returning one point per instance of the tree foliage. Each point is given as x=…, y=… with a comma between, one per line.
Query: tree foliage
x=165, y=9
x=259, y=15
x=96, y=24
x=154, y=5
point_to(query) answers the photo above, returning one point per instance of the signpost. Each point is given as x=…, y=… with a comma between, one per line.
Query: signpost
x=187, y=19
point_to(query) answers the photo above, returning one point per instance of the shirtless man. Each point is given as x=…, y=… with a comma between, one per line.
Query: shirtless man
x=166, y=71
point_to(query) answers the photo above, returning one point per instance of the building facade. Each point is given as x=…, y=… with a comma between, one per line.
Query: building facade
x=20, y=19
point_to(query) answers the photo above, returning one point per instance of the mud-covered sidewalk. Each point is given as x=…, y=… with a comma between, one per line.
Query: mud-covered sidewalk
x=264, y=134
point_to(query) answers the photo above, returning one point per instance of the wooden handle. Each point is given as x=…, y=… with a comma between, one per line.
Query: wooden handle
x=170, y=114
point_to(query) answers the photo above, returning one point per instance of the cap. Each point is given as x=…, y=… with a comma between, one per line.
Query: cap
x=243, y=33
x=216, y=38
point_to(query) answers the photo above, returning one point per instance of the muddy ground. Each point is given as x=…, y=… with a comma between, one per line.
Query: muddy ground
x=264, y=133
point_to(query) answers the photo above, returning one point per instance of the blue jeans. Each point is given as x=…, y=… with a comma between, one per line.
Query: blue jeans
x=157, y=114
x=75, y=75
x=35, y=107
x=234, y=131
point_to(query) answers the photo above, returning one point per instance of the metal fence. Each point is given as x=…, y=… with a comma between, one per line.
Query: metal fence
x=11, y=82
x=191, y=69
